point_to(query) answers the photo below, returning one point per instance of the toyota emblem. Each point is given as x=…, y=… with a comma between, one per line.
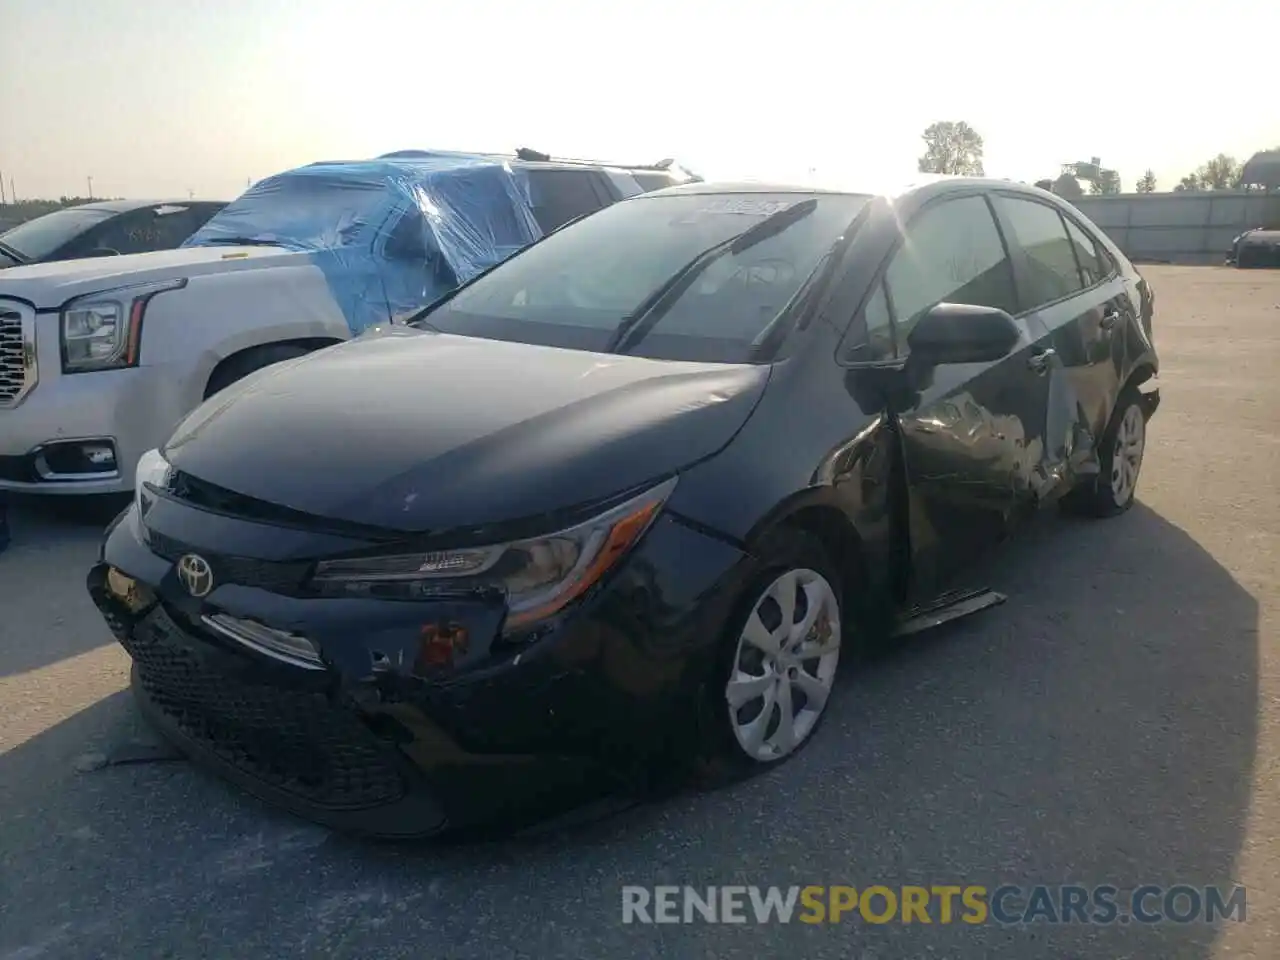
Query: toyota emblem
x=196, y=574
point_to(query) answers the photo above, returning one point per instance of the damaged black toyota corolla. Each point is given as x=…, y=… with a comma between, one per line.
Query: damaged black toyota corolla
x=626, y=500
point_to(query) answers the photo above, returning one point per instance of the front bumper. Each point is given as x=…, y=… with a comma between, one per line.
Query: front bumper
x=131, y=410
x=396, y=752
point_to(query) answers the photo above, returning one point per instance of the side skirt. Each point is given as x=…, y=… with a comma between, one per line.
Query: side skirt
x=946, y=608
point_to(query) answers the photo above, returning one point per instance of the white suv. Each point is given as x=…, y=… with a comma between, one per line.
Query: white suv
x=100, y=358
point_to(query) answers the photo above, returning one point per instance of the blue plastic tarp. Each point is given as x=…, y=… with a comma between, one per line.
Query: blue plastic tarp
x=414, y=224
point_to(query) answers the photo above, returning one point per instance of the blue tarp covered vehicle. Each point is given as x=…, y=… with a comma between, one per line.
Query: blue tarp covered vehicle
x=396, y=232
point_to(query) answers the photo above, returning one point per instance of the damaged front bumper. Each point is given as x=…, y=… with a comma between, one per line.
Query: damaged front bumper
x=370, y=740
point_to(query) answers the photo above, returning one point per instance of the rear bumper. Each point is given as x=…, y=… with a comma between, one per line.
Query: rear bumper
x=1261, y=254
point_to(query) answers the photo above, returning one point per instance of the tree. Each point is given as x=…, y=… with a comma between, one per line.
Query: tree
x=1147, y=183
x=952, y=147
x=1223, y=172
x=1108, y=182
x=1068, y=186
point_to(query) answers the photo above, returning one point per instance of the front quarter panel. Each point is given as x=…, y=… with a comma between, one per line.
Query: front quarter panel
x=187, y=332
x=810, y=444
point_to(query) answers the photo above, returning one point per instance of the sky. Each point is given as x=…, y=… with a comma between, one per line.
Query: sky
x=162, y=98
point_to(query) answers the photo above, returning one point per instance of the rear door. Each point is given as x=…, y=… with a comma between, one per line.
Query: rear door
x=970, y=433
x=1071, y=289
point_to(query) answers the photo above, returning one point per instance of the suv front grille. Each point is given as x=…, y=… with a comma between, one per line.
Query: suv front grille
x=17, y=354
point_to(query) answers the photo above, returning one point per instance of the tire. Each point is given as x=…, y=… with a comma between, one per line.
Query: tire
x=241, y=365
x=745, y=735
x=1112, y=491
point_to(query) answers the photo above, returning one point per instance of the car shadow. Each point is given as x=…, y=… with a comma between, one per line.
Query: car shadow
x=1099, y=728
x=48, y=616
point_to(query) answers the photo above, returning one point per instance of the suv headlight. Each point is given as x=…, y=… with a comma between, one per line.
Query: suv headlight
x=538, y=577
x=103, y=331
x=153, y=473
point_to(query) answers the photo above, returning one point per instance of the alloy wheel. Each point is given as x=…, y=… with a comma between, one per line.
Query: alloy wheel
x=784, y=665
x=1126, y=458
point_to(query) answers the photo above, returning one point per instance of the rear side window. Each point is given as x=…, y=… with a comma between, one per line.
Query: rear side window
x=560, y=195
x=405, y=243
x=652, y=181
x=1051, y=268
x=1092, y=267
x=950, y=253
x=173, y=223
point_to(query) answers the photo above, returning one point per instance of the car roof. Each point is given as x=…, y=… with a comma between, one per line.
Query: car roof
x=922, y=185
x=534, y=160
x=127, y=206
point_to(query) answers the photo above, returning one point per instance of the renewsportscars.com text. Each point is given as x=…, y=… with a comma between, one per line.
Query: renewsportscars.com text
x=941, y=904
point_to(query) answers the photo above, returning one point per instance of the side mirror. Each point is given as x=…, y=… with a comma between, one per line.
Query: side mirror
x=961, y=333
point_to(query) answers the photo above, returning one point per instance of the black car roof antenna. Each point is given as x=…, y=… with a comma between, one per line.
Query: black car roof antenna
x=654, y=307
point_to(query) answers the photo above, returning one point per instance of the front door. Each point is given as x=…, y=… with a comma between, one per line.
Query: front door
x=972, y=434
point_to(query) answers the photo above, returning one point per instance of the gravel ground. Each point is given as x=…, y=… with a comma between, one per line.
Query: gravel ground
x=1114, y=723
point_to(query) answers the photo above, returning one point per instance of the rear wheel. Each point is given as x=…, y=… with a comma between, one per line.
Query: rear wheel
x=1112, y=491
x=777, y=664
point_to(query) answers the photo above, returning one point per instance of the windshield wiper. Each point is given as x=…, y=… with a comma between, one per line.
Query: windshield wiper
x=16, y=255
x=639, y=322
x=243, y=242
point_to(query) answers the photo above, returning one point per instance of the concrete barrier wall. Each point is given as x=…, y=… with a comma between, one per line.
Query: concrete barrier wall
x=1192, y=227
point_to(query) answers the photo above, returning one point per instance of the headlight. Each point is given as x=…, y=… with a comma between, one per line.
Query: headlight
x=102, y=331
x=538, y=577
x=153, y=471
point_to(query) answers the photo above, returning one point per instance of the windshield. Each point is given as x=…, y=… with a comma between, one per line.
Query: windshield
x=38, y=238
x=578, y=287
x=301, y=211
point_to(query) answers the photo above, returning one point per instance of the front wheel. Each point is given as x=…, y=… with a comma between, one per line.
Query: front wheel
x=778, y=663
x=1112, y=491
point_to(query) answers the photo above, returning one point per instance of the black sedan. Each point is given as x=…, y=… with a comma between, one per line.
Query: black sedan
x=627, y=501
x=104, y=229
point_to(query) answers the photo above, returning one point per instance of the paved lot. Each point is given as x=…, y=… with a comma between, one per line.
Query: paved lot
x=1115, y=722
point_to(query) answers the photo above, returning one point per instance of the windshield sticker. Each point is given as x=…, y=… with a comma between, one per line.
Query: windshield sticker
x=745, y=206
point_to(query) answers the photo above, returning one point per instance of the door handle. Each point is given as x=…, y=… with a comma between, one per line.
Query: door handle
x=1109, y=319
x=1039, y=362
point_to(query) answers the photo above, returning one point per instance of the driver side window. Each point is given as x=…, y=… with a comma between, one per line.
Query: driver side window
x=951, y=252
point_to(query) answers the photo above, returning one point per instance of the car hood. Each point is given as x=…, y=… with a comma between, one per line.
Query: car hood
x=424, y=432
x=49, y=285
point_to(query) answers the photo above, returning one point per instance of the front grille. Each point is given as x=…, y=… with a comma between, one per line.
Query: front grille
x=274, y=576
x=17, y=356
x=296, y=741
